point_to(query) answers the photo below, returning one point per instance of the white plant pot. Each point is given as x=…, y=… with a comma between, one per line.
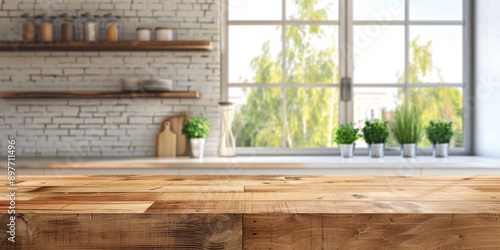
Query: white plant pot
x=377, y=150
x=409, y=150
x=441, y=150
x=197, y=147
x=347, y=150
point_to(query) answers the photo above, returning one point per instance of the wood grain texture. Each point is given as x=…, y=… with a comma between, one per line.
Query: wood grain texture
x=125, y=231
x=372, y=231
x=262, y=212
x=166, y=141
x=109, y=46
x=259, y=194
x=99, y=94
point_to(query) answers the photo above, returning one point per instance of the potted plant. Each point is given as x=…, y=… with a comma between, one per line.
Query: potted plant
x=439, y=134
x=196, y=129
x=407, y=131
x=376, y=134
x=345, y=136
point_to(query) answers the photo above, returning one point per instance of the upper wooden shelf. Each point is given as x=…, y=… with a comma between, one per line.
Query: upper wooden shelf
x=90, y=94
x=109, y=46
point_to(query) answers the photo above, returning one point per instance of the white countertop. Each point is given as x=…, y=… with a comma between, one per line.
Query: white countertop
x=262, y=165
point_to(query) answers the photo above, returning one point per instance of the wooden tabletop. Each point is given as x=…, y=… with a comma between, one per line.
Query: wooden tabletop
x=256, y=195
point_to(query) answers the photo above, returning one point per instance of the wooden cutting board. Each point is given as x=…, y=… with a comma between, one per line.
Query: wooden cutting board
x=166, y=142
x=182, y=141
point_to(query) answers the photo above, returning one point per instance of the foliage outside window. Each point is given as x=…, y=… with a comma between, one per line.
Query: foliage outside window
x=287, y=92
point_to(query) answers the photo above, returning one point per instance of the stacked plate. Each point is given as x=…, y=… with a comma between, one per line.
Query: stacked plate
x=157, y=85
x=154, y=85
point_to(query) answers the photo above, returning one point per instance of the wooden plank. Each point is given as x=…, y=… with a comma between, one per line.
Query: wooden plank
x=442, y=195
x=371, y=231
x=100, y=94
x=125, y=231
x=269, y=194
x=80, y=207
x=124, y=188
x=109, y=46
x=93, y=197
x=325, y=207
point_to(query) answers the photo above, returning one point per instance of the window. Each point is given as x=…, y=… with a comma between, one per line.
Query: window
x=284, y=61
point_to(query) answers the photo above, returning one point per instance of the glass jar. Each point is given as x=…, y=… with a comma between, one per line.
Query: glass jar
x=55, y=24
x=28, y=28
x=90, y=28
x=103, y=26
x=67, y=28
x=46, y=29
x=113, y=29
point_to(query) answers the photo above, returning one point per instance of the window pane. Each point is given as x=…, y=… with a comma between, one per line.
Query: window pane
x=376, y=103
x=254, y=10
x=436, y=54
x=379, y=10
x=312, y=117
x=312, y=54
x=254, y=54
x=440, y=104
x=379, y=54
x=319, y=10
x=258, y=121
x=436, y=10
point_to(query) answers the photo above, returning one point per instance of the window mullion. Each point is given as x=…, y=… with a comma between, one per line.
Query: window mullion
x=407, y=53
x=284, y=116
x=347, y=108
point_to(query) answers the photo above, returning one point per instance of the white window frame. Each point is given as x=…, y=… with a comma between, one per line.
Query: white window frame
x=346, y=59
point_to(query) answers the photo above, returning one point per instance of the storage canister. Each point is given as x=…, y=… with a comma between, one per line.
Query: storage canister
x=28, y=28
x=164, y=34
x=90, y=28
x=112, y=28
x=46, y=29
x=67, y=28
x=143, y=34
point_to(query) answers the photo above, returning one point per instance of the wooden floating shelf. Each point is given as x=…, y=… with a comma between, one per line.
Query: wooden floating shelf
x=109, y=46
x=90, y=94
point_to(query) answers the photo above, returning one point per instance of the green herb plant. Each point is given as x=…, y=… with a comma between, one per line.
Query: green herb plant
x=347, y=134
x=407, y=127
x=439, y=132
x=376, y=131
x=196, y=128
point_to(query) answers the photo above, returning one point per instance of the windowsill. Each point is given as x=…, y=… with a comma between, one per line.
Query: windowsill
x=262, y=165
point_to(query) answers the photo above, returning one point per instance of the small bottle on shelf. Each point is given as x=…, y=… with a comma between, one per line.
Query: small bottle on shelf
x=55, y=24
x=112, y=28
x=28, y=28
x=67, y=28
x=90, y=27
x=46, y=29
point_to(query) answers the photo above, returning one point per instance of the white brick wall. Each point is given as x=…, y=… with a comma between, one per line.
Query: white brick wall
x=106, y=127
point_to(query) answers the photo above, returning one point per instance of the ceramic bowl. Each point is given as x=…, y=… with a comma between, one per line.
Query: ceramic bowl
x=131, y=85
